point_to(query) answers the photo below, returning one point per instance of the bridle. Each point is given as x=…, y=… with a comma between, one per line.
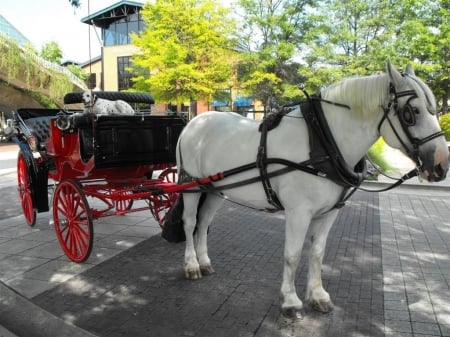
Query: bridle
x=407, y=117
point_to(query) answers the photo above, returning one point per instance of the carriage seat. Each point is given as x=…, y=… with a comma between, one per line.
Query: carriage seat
x=129, y=97
x=129, y=140
x=37, y=121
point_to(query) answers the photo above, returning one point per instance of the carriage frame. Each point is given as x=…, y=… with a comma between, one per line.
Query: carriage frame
x=69, y=155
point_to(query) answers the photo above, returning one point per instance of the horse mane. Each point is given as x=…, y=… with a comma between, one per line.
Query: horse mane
x=365, y=95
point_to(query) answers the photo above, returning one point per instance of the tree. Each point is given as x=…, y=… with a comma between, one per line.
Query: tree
x=186, y=48
x=75, y=3
x=51, y=52
x=356, y=37
x=270, y=34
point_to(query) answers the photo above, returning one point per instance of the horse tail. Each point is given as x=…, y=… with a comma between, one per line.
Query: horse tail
x=173, y=230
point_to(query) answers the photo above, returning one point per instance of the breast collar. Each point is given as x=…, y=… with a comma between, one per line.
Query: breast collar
x=325, y=156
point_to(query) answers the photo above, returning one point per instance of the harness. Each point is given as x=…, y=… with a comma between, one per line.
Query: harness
x=325, y=156
x=407, y=117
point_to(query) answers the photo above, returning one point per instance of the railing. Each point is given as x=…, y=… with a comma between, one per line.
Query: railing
x=50, y=65
x=56, y=67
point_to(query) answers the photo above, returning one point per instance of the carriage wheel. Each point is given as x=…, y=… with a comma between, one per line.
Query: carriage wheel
x=73, y=221
x=124, y=205
x=169, y=175
x=160, y=205
x=25, y=194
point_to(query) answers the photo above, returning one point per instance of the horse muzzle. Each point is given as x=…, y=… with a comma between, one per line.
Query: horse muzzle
x=435, y=165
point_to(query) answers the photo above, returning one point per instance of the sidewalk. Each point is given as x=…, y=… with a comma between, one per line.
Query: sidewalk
x=387, y=269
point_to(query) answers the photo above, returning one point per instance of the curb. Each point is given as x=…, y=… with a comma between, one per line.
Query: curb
x=20, y=317
x=425, y=186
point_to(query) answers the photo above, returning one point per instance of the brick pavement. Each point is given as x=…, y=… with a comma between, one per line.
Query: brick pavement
x=141, y=292
x=387, y=269
x=416, y=266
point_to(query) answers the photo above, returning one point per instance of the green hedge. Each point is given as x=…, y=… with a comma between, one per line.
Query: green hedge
x=444, y=121
x=377, y=155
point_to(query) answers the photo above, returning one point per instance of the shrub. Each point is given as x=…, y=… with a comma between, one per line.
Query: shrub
x=444, y=121
x=377, y=155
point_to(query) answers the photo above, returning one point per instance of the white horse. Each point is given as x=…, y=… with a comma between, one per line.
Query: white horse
x=400, y=108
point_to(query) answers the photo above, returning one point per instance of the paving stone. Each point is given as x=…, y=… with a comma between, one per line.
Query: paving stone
x=145, y=283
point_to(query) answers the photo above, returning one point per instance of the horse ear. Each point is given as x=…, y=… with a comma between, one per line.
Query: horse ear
x=394, y=74
x=409, y=70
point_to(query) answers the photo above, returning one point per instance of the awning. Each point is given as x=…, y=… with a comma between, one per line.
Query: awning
x=219, y=104
x=243, y=101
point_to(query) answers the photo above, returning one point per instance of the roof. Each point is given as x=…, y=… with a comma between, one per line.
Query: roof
x=8, y=30
x=91, y=61
x=108, y=15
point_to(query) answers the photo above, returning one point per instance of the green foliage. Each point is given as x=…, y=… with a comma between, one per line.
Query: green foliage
x=187, y=49
x=357, y=37
x=78, y=72
x=444, y=122
x=377, y=155
x=75, y=3
x=51, y=52
x=21, y=65
x=270, y=35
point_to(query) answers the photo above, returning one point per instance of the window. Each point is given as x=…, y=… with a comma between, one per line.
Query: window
x=123, y=74
x=118, y=32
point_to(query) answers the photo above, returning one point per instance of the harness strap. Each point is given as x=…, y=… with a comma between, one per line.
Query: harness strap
x=261, y=163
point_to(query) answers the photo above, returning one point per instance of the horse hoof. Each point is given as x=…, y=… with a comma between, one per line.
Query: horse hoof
x=322, y=306
x=207, y=270
x=293, y=313
x=192, y=274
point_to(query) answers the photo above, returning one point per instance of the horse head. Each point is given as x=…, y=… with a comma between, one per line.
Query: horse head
x=410, y=123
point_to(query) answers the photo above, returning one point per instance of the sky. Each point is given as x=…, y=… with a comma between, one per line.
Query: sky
x=42, y=21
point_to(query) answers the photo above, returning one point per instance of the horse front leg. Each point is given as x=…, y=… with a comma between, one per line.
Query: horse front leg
x=297, y=222
x=316, y=295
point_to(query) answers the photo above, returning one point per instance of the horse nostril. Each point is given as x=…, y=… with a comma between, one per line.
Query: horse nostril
x=439, y=172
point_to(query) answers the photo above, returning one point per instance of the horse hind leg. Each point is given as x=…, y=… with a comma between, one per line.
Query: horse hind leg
x=207, y=210
x=198, y=213
x=191, y=265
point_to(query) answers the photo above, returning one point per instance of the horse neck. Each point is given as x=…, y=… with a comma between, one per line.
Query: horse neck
x=356, y=129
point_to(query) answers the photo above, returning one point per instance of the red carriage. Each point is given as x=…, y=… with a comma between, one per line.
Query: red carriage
x=113, y=159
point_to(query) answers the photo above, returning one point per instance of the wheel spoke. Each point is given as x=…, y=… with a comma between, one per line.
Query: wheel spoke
x=73, y=221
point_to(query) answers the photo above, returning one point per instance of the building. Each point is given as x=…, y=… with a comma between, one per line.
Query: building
x=116, y=23
x=8, y=30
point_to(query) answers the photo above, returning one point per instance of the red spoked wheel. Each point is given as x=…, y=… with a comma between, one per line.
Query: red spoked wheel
x=124, y=205
x=73, y=221
x=160, y=205
x=25, y=194
x=169, y=175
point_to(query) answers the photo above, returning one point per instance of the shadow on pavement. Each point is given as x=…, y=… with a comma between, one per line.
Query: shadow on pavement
x=142, y=292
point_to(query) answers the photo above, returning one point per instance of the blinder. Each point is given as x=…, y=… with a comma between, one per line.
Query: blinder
x=407, y=117
x=407, y=114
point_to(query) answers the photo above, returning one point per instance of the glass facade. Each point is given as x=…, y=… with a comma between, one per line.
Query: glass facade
x=123, y=75
x=118, y=32
x=9, y=31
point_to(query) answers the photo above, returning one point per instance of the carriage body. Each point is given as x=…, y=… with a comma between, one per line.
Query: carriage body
x=107, y=158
